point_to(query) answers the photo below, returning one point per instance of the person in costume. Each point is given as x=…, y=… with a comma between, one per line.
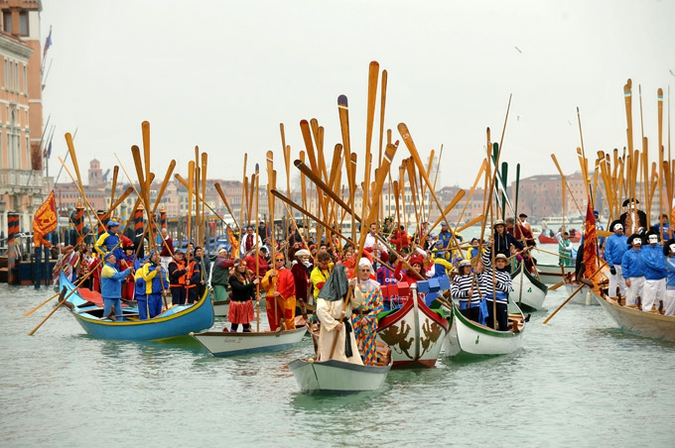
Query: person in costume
x=241, y=301
x=193, y=277
x=497, y=285
x=465, y=287
x=301, y=277
x=111, y=286
x=279, y=285
x=502, y=240
x=321, y=272
x=110, y=241
x=220, y=276
x=564, y=249
x=129, y=261
x=633, y=219
x=615, y=246
x=369, y=303
x=669, y=300
x=336, y=337
x=416, y=262
x=633, y=270
x=177, y=277
x=654, y=262
x=156, y=283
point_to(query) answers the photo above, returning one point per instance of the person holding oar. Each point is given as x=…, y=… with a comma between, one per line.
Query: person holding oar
x=497, y=285
x=110, y=241
x=465, y=287
x=334, y=343
x=156, y=280
x=111, y=286
x=280, y=297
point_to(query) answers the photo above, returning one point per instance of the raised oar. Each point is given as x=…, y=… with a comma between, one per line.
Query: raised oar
x=405, y=134
x=380, y=177
x=473, y=188
x=190, y=187
x=167, y=177
x=114, y=184
x=180, y=179
x=221, y=193
x=597, y=271
x=82, y=280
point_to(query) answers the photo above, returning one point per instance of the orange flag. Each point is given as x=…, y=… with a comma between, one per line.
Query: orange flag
x=590, y=243
x=233, y=242
x=45, y=221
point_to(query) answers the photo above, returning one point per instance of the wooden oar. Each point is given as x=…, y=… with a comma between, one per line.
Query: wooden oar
x=597, y=271
x=81, y=280
x=556, y=286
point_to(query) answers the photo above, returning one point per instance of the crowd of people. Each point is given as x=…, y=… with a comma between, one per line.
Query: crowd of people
x=642, y=263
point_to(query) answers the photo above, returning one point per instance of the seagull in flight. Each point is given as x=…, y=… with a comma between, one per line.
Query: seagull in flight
x=671, y=72
x=519, y=51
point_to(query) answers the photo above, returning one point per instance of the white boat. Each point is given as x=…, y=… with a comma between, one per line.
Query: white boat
x=528, y=292
x=221, y=343
x=557, y=221
x=414, y=332
x=633, y=320
x=550, y=274
x=467, y=337
x=337, y=377
x=584, y=297
x=221, y=307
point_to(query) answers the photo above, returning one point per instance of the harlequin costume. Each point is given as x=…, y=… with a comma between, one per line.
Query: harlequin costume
x=364, y=321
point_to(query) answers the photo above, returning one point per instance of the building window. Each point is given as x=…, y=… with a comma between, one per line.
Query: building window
x=23, y=23
x=5, y=73
x=25, y=79
x=7, y=25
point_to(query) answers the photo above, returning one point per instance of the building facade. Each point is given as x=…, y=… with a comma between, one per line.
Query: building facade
x=22, y=185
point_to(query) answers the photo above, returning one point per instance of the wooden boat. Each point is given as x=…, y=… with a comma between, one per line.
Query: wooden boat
x=550, y=274
x=222, y=343
x=467, y=337
x=177, y=321
x=337, y=377
x=584, y=296
x=528, y=292
x=414, y=332
x=549, y=238
x=633, y=320
x=221, y=307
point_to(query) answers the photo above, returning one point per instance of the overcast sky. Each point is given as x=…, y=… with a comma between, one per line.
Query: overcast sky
x=223, y=75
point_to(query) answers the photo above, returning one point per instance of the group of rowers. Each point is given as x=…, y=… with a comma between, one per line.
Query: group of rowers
x=641, y=262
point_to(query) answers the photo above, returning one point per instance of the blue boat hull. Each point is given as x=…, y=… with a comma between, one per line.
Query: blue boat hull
x=177, y=321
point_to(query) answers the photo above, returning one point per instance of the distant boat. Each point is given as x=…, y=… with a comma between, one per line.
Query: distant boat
x=557, y=221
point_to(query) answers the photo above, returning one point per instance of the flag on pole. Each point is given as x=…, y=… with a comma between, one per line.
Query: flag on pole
x=590, y=243
x=233, y=242
x=48, y=43
x=45, y=221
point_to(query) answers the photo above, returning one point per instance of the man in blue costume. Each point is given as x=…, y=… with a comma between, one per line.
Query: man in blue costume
x=654, y=262
x=109, y=241
x=615, y=246
x=157, y=283
x=111, y=286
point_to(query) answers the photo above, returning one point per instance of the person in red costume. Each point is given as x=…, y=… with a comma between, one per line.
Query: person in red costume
x=280, y=296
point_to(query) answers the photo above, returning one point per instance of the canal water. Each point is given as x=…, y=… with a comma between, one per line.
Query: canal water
x=578, y=381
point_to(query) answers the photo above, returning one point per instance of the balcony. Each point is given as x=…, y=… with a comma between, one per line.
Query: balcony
x=20, y=181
